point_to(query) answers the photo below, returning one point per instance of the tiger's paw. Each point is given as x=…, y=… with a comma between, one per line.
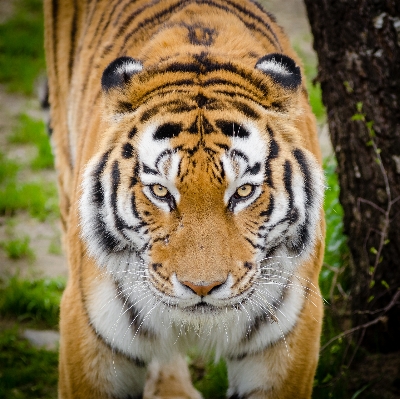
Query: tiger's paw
x=169, y=381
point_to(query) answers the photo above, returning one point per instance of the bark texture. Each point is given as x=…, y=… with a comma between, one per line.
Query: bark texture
x=358, y=46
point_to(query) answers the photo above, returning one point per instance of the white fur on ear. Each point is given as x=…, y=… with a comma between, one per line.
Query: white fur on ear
x=282, y=69
x=130, y=67
x=273, y=66
x=119, y=72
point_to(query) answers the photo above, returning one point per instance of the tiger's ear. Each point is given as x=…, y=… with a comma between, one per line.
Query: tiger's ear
x=120, y=72
x=282, y=70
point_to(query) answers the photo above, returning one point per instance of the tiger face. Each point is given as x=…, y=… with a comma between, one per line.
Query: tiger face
x=202, y=202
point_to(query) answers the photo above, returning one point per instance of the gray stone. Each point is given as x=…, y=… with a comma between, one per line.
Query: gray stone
x=47, y=339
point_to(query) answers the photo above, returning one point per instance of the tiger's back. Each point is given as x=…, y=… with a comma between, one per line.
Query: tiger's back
x=190, y=186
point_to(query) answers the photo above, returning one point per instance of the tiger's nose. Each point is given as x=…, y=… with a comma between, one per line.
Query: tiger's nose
x=202, y=290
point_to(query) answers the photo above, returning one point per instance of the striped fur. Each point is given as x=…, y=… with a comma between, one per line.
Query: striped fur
x=190, y=192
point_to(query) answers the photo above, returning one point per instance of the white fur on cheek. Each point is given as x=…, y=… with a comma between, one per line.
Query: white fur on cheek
x=252, y=147
x=150, y=151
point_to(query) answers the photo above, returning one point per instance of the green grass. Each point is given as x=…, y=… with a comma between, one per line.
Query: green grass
x=21, y=47
x=314, y=89
x=33, y=131
x=55, y=247
x=331, y=377
x=38, y=198
x=25, y=371
x=36, y=301
x=213, y=383
x=336, y=250
x=18, y=248
x=8, y=169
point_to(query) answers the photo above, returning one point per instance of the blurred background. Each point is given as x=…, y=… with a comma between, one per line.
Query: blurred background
x=33, y=269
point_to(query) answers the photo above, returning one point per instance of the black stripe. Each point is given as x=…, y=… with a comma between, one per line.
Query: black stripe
x=302, y=237
x=270, y=209
x=242, y=11
x=194, y=127
x=222, y=146
x=136, y=318
x=236, y=396
x=238, y=153
x=245, y=109
x=254, y=169
x=303, y=232
x=204, y=64
x=200, y=35
x=287, y=181
x=149, y=113
x=105, y=238
x=135, y=360
x=305, y=170
x=237, y=358
x=148, y=170
x=132, y=133
x=134, y=178
x=155, y=19
x=72, y=41
x=109, y=14
x=232, y=129
x=120, y=225
x=255, y=246
x=98, y=192
x=206, y=126
x=167, y=131
x=273, y=154
x=98, y=43
x=235, y=85
x=127, y=151
x=201, y=100
x=258, y=19
x=131, y=16
x=266, y=317
x=134, y=208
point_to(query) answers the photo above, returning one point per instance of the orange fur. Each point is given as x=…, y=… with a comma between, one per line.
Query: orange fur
x=200, y=241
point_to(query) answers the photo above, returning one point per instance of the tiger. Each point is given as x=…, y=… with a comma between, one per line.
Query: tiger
x=191, y=191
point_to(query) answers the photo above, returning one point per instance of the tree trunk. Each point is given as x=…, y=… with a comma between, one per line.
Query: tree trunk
x=358, y=47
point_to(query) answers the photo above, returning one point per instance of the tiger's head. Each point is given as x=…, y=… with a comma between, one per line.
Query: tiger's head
x=202, y=187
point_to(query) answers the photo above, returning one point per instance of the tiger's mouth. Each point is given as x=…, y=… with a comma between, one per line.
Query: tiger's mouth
x=202, y=307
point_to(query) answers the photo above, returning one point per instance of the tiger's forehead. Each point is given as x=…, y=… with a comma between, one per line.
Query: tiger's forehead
x=201, y=143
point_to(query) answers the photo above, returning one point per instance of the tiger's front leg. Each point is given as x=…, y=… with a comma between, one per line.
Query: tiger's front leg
x=89, y=368
x=169, y=381
x=286, y=369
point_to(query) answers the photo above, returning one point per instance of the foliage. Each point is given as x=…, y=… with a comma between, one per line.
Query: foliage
x=8, y=169
x=336, y=251
x=18, y=248
x=21, y=47
x=36, y=301
x=38, y=198
x=213, y=382
x=25, y=371
x=33, y=131
x=313, y=88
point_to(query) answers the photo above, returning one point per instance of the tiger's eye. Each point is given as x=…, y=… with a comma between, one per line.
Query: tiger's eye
x=159, y=190
x=245, y=190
